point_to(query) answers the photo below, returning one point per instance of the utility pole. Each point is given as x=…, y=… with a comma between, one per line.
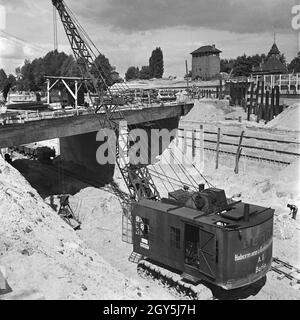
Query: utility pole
x=187, y=73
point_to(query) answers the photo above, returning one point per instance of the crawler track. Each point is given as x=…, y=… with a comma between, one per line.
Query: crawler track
x=203, y=291
x=173, y=282
x=285, y=270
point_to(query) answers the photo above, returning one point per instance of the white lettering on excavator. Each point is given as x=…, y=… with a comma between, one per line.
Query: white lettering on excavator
x=261, y=268
x=144, y=244
x=239, y=257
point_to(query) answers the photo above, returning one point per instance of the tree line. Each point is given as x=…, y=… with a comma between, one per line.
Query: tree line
x=31, y=76
x=243, y=65
x=155, y=69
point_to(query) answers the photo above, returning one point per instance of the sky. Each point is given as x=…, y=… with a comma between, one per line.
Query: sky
x=126, y=31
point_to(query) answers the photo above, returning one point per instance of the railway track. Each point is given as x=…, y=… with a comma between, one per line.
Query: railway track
x=286, y=271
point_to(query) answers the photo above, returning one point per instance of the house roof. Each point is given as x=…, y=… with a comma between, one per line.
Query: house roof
x=206, y=49
x=274, y=64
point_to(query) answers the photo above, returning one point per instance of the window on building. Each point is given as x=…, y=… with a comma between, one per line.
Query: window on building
x=175, y=237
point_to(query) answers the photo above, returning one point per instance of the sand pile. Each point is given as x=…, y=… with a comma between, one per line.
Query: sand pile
x=100, y=214
x=289, y=119
x=209, y=110
x=44, y=257
x=284, y=227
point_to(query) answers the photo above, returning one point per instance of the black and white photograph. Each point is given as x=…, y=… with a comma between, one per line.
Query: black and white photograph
x=149, y=153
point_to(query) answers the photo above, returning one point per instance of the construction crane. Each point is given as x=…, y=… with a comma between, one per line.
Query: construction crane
x=199, y=233
x=137, y=178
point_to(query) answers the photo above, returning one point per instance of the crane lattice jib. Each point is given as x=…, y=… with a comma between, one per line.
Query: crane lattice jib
x=137, y=177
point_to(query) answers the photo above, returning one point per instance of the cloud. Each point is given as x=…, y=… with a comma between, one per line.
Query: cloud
x=126, y=31
x=12, y=49
x=240, y=16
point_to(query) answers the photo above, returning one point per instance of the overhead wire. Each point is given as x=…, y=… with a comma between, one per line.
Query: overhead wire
x=20, y=41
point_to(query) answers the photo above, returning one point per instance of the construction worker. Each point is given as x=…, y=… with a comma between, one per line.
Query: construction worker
x=294, y=210
x=66, y=213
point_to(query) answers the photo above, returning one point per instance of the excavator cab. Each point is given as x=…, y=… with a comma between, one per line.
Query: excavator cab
x=205, y=236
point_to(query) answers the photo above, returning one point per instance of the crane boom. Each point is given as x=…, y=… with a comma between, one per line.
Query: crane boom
x=137, y=177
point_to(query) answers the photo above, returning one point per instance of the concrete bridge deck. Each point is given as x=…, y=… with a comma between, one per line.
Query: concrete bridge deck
x=46, y=129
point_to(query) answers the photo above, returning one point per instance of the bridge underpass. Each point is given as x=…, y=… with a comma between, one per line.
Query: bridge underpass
x=77, y=135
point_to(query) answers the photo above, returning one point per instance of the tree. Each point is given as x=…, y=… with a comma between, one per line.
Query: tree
x=102, y=63
x=282, y=58
x=227, y=65
x=9, y=84
x=145, y=73
x=294, y=66
x=3, y=79
x=70, y=68
x=31, y=76
x=257, y=59
x=26, y=78
x=242, y=66
x=156, y=64
x=132, y=73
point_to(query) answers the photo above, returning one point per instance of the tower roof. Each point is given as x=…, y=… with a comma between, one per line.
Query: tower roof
x=274, y=50
x=206, y=49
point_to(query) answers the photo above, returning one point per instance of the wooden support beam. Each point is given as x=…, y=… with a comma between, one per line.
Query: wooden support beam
x=267, y=108
x=277, y=99
x=69, y=89
x=193, y=144
x=250, y=107
x=257, y=97
x=218, y=148
x=272, y=111
x=238, y=153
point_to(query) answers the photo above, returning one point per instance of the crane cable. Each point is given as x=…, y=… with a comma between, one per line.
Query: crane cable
x=55, y=33
x=197, y=170
x=184, y=170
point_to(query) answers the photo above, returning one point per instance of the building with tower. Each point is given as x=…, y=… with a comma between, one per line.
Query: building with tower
x=206, y=63
x=272, y=65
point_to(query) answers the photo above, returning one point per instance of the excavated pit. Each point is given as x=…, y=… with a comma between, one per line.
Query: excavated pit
x=100, y=236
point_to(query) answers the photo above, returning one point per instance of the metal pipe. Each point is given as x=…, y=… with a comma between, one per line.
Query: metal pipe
x=247, y=212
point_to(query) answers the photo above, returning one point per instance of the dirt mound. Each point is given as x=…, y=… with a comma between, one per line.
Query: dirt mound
x=289, y=119
x=44, y=257
x=209, y=110
x=291, y=172
x=284, y=227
